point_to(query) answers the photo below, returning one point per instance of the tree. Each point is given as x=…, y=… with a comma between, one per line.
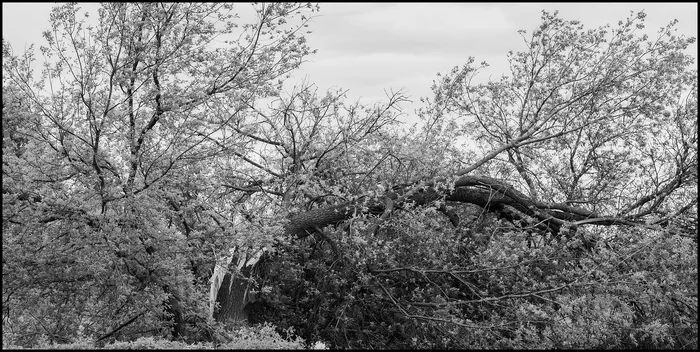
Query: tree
x=117, y=136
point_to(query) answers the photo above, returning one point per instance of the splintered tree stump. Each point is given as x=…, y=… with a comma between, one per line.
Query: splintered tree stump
x=234, y=295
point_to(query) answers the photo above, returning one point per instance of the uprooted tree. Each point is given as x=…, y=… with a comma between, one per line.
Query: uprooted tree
x=157, y=175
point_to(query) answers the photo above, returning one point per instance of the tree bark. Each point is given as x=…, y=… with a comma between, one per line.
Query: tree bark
x=491, y=194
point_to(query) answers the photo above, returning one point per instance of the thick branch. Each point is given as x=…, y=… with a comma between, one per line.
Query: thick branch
x=491, y=194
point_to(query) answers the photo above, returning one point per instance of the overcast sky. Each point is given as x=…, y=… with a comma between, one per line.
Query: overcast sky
x=370, y=47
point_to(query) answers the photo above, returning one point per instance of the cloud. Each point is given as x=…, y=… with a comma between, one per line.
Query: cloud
x=381, y=69
x=433, y=19
x=409, y=28
x=369, y=75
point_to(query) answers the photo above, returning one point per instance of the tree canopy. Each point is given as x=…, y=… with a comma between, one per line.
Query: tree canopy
x=158, y=181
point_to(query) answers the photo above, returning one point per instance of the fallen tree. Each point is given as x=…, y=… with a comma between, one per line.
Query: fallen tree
x=490, y=194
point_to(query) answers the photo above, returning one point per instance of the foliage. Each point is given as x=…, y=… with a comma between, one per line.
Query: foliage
x=483, y=287
x=256, y=337
x=159, y=144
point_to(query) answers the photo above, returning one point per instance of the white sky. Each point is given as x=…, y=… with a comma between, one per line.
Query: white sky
x=370, y=47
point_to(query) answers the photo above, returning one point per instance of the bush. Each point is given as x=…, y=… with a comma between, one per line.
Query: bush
x=261, y=336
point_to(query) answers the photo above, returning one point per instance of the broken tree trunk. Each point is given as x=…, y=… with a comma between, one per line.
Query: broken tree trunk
x=232, y=289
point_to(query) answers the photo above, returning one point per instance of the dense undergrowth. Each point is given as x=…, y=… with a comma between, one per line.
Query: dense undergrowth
x=262, y=336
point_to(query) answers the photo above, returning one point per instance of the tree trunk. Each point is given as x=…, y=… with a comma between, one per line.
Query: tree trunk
x=173, y=308
x=491, y=194
x=234, y=294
